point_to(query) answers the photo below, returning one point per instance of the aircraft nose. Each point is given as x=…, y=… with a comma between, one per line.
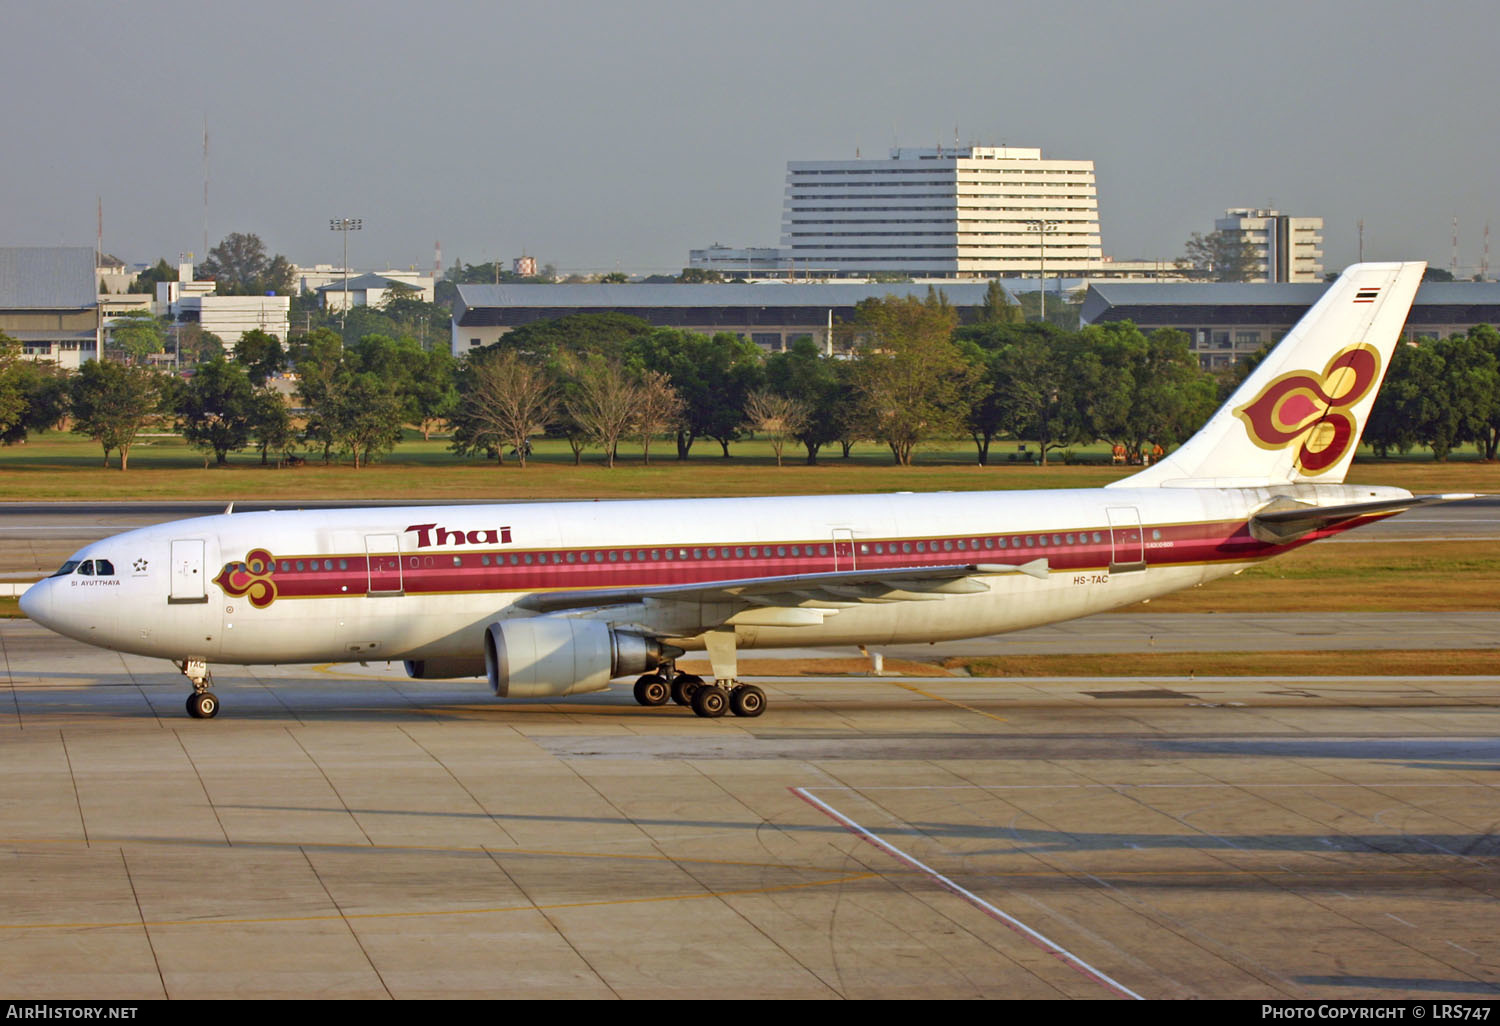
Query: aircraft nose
x=36, y=602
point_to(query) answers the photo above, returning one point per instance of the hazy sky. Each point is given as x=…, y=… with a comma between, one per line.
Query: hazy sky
x=596, y=136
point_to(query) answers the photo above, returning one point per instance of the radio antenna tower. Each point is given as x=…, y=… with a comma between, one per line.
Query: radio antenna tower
x=1484, y=259
x=1453, y=258
x=205, y=183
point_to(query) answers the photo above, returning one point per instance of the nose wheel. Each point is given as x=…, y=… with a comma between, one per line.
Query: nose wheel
x=202, y=704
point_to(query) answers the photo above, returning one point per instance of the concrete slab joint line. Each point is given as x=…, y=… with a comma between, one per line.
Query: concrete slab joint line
x=1041, y=941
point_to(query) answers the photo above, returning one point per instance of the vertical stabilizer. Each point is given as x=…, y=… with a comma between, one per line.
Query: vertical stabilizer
x=1300, y=415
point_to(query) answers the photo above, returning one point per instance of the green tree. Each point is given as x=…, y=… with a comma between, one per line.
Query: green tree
x=712, y=376
x=146, y=281
x=1219, y=256
x=997, y=307
x=1165, y=395
x=216, y=409
x=803, y=373
x=363, y=416
x=271, y=425
x=13, y=403
x=137, y=334
x=699, y=276
x=261, y=355
x=1486, y=432
x=607, y=333
x=42, y=391
x=912, y=379
x=239, y=266
x=110, y=402
x=194, y=345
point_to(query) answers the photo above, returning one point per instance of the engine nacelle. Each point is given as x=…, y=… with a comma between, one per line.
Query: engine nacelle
x=445, y=669
x=548, y=656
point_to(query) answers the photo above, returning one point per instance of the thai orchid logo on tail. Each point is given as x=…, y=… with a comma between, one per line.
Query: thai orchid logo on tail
x=1312, y=411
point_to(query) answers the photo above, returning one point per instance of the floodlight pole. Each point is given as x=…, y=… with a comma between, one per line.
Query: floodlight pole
x=1042, y=227
x=345, y=225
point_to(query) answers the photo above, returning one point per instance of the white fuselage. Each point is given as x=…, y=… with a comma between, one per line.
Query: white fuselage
x=424, y=582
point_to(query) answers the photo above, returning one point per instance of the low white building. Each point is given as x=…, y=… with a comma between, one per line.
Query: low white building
x=317, y=277
x=228, y=317
x=373, y=290
x=1286, y=248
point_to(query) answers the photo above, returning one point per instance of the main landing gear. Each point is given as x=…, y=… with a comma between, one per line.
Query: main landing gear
x=202, y=704
x=709, y=700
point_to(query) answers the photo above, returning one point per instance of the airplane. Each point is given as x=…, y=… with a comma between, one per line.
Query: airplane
x=561, y=598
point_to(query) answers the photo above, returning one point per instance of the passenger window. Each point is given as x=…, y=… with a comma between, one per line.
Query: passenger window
x=947, y=546
x=906, y=547
x=458, y=561
x=795, y=551
x=286, y=566
x=822, y=550
x=343, y=564
x=988, y=543
x=739, y=553
x=781, y=550
x=921, y=546
x=572, y=557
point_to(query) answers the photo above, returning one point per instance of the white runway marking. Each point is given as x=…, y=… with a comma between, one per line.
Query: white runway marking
x=1046, y=944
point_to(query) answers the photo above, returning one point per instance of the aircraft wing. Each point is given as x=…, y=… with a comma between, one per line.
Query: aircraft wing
x=790, y=600
x=1279, y=524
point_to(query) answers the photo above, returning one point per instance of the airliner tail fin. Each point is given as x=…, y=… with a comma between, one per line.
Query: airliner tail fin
x=1300, y=415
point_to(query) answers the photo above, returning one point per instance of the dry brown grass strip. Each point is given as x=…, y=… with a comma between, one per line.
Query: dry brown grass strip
x=1382, y=663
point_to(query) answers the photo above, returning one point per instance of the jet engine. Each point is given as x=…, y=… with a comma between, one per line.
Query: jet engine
x=547, y=656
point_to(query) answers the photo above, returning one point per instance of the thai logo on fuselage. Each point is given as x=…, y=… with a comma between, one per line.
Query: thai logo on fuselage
x=1311, y=411
x=252, y=578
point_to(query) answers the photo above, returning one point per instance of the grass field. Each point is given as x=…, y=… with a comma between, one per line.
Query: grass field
x=62, y=467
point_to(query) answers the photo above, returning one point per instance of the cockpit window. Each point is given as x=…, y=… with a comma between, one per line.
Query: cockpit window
x=66, y=568
x=96, y=568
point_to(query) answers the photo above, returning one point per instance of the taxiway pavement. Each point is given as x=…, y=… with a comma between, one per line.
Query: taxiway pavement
x=346, y=832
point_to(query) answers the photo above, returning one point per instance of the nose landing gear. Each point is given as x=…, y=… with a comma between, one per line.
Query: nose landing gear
x=202, y=704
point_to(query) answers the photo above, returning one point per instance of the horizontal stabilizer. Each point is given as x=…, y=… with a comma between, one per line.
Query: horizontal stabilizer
x=1280, y=524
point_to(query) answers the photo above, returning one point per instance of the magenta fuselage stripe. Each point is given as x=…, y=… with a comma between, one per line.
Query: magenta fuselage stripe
x=434, y=571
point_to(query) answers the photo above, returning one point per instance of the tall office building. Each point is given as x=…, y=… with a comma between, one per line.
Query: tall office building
x=974, y=211
x=1287, y=248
